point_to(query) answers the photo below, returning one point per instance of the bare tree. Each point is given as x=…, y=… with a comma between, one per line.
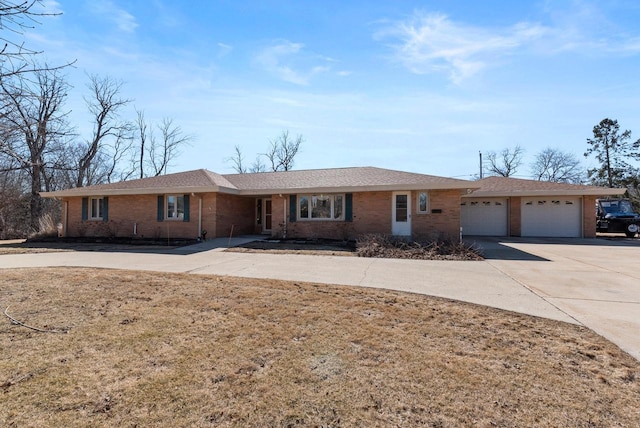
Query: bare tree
x=141, y=126
x=121, y=148
x=104, y=106
x=557, y=166
x=283, y=151
x=163, y=153
x=14, y=205
x=507, y=162
x=258, y=165
x=157, y=153
x=33, y=118
x=17, y=17
x=237, y=160
x=281, y=155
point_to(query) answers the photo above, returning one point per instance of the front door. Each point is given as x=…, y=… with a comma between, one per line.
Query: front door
x=266, y=225
x=401, y=214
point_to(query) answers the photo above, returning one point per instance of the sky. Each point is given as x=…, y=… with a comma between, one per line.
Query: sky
x=420, y=86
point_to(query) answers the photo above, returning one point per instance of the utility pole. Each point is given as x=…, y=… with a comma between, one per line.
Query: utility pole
x=480, y=153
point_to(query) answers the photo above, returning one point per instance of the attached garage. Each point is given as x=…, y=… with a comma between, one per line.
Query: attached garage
x=552, y=217
x=484, y=216
x=505, y=206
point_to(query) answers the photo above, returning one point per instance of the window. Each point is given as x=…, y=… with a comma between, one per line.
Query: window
x=95, y=209
x=423, y=203
x=175, y=207
x=321, y=207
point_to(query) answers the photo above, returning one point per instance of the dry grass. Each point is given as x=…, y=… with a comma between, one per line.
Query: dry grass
x=146, y=349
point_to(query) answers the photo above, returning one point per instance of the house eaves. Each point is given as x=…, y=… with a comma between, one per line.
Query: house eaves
x=518, y=187
x=596, y=191
x=92, y=191
x=341, y=180
x=197, y=181
x=338, y=180
x=351, y=189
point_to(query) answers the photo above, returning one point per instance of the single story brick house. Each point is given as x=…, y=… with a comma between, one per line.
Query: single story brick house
x=514, y=207
x=340, y=203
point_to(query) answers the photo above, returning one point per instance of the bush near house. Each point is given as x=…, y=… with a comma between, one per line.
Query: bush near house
x=385, y=246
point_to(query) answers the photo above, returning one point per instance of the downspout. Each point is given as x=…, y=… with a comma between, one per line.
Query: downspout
x=509, y=215
x=200, y=216
x=65, y=219
x=582, y=198
x=284, y=217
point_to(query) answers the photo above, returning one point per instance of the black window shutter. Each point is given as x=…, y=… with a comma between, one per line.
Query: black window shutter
x=85, y=208
x=348, y=208
x=105, y=209
x=293, y=208
x=160, y=207
x=185, y=217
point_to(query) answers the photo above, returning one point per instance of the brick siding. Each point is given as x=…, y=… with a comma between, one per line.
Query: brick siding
x=589, y=216
x=515, y=216
x=372, y=212
x=444, y=223
x=234, y=211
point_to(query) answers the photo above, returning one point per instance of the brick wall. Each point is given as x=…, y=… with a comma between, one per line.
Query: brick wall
x=589, y=216
x=515, y=216
x=141, y=210
x=234, y=211
x=372, y=212
x=442, y=224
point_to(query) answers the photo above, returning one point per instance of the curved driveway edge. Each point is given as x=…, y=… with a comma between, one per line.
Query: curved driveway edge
x=569, y=282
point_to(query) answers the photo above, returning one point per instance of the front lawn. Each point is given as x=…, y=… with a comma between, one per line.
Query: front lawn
x=146, y=349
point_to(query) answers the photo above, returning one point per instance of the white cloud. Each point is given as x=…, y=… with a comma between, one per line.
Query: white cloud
x=287, y=61
x=433, y=43
x=223, y=49
x=47, y=7
x=124, y=21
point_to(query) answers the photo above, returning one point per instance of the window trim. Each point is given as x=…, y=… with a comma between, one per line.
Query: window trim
x=309, y=197
x=428, y=202
x=90, y=209
x=178, y=216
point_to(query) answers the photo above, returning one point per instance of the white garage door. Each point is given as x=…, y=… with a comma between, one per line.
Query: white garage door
x=484, y=216
x=551, y=216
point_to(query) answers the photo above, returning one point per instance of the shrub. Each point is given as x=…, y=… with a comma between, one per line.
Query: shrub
x=47, y=228
x=384, y=246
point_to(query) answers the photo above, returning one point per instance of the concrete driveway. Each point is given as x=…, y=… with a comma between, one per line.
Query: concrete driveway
x=595, y=281
x=591, y=282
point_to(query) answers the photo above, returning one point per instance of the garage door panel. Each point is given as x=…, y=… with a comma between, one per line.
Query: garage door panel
x=484, y=216
x=551, y=217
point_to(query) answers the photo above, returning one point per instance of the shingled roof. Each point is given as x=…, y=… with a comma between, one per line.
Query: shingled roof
x=199, y=180
x=341, y=179
x=507, y=186
x=317, y=180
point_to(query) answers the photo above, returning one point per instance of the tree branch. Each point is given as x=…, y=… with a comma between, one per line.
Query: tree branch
x=16, y=322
